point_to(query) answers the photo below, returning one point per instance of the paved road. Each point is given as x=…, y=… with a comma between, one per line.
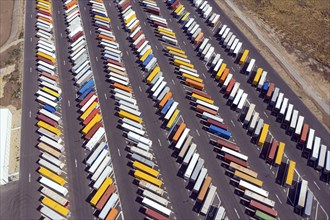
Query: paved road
x=79, y=190
x=243, y=139
x=193, y=123
x=180, y=203
x=27, y=186
x=307, y=172
x=78, y=183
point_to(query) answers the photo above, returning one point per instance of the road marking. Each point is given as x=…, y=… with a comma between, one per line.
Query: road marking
x=90, y=32
x=232, y=123
x=210, y=38
x=265, y=114
x=127, y=52
x=58, y=12
x=197, y=132
x=119, y=152
x=278, y=198
x=195, y=16
x=31, y=15
x=75, y=162
x=159, y=142
x=237, y=213
x=69, y=103
x=316, y=185
x=30, y=69
x=156, y=47
x=233, y=69
x=64, y=62
x=61, y=35
x=317, y=209
x=31, y=39
x=109, y=4
x=170, y=20
x=84, y=8
x=29, y=177
x=97, y=59
x=105, y=96
x=30, y=114
x=184, y=43
x=144, y=23
x=140, y=89
x=204, y=75
x=173, y=82
x=117, y=27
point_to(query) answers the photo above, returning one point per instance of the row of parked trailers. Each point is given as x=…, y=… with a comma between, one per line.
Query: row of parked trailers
x=227, y=38
x=99, y=168
x=232, y=155
x=260, y=82
x=247, y=180
x=131, y=118
x=54, y=204
x=279, y=104
x=295, y=123
x=182, y=141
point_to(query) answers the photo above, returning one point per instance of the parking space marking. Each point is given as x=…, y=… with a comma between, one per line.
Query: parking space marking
x=105, y=96
x=197, y=132
x=119, y=152
x=316, y=185
x=265, y=114
x=232, y=123
x=30, y=114
x=29, y=177
x=278, y=198
x=160, y=144
x=31, y=39
x=237, y=213
x=173, y=82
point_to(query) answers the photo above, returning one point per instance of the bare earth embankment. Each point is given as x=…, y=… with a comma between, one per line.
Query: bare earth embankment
x=11, y=66
x=6, y=12
x=300, y=30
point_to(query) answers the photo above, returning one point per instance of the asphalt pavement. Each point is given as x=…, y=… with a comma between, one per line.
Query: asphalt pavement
x=179, y=196
x=215, y=93
x=28, y=194
x=78, y=182
x=308, y=172
x=179, y=93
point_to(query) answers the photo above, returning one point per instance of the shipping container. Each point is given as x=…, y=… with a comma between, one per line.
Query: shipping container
x=200, y=180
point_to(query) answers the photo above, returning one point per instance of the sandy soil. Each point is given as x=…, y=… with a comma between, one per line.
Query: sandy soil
x=11, y=60
x=6, y=12
x=3, y=73
x=319, y=83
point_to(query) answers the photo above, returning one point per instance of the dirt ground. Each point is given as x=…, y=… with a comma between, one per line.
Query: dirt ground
x=11, y=73
x=11, y=82
x=6, y=12
x=307, y=65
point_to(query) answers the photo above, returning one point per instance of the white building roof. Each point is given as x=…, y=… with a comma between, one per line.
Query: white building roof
x=5, y=131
